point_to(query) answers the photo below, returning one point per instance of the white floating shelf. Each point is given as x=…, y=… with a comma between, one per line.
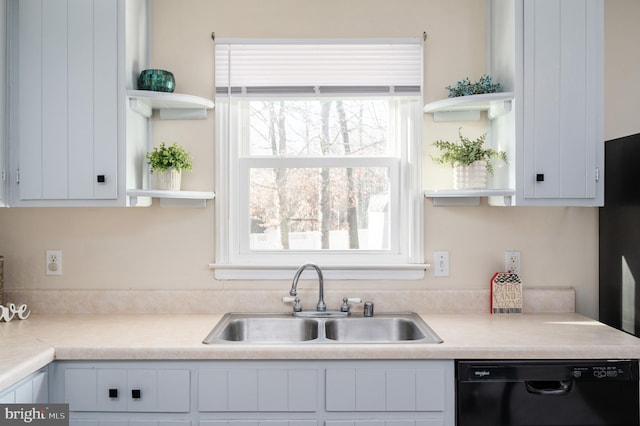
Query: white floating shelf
x=467, y=197
x=172, y=106
x=463, y=108
x=172, y=198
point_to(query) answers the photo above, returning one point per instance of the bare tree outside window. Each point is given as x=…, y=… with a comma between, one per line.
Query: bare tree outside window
x=329, y=207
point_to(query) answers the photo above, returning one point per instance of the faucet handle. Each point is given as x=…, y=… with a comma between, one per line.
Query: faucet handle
x=297, y=307
x=346, y=301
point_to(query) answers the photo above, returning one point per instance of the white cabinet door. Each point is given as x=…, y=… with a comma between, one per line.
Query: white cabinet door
x=563, y=100
x=65, y=101
x=385, y=389
x=32, y=390
x=551, y=55
x=111, y=389
x=127, y=390
x=257, y=389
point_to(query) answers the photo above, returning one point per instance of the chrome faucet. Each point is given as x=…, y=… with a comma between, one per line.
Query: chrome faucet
x=321, y=306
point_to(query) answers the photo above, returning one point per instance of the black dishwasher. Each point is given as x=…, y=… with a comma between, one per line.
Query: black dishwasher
x=547, y=393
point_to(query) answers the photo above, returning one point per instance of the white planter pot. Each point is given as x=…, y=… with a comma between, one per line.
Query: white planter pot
x=473, y=176
x=169, y=180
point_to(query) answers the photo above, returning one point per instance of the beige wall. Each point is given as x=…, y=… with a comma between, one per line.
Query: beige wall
x=159, y=248
x=622, y=68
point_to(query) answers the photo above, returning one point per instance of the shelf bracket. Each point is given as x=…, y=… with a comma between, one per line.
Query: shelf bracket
x=499, y=108
x=140, y=107
x=136, y=201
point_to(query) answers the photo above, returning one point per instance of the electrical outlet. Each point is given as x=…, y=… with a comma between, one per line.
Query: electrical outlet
x=441, y=263
x=512, y=262
x=53, y=262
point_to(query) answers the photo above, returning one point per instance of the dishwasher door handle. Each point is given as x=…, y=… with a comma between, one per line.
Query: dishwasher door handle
x=549, y=387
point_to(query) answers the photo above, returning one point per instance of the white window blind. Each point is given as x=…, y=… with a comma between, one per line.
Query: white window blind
x=328, y=66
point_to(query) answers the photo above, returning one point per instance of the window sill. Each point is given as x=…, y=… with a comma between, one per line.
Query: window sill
x=335, y=272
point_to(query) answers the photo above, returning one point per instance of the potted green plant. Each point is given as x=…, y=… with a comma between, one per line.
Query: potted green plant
x=466, y=88
x=167, y=164
x=470, y=160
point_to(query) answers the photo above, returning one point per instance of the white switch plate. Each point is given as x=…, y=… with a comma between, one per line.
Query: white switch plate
x=53, y=265
x=441, y=263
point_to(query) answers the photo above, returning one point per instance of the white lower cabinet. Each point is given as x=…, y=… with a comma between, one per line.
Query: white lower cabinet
x=33, y=389
x=256, y=393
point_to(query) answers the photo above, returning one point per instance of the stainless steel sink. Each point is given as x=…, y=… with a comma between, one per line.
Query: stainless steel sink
x=382, y=328
x=251, y=328
x=263, y=328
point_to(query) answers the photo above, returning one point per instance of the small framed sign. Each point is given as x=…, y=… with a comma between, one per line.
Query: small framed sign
x=506, y=293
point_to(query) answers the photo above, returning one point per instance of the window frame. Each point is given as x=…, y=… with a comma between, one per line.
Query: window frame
x=405, y=260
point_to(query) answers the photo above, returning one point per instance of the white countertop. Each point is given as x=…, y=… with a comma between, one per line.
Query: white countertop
x=30, y=344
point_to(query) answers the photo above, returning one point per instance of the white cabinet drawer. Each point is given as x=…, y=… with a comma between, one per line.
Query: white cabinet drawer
x=139, y=390
x=385, y=389
x=258, y=389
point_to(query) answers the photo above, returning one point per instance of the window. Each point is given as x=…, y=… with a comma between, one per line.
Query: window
x=318, y=148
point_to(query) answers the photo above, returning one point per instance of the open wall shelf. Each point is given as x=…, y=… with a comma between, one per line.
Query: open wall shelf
x=170, y=198
x=171, y=106
x=465, y=108
x=469, y=197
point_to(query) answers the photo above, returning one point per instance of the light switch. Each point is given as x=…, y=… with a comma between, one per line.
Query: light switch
x=441, y=263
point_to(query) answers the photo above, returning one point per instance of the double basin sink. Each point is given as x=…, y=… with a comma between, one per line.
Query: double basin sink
x=407, y=328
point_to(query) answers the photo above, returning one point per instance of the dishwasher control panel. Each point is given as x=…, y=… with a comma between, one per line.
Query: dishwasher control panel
x=548, y=370
x=616, y=371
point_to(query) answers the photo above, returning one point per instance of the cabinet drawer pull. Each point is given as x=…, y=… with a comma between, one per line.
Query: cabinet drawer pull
x=540, y=177
x=136, y=393
x=101, y=178
x=113, y=393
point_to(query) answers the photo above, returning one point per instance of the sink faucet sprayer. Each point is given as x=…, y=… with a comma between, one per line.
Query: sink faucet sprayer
x=321, y=306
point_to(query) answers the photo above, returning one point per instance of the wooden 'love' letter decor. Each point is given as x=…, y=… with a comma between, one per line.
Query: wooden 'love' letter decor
x=7, y=313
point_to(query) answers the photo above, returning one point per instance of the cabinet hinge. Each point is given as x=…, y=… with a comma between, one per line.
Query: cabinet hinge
x=4, y=175
x=18, y=176
x=597, y=174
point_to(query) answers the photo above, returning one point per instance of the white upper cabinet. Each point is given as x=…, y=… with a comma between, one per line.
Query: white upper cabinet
x=550, y=54
x=73, y=141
